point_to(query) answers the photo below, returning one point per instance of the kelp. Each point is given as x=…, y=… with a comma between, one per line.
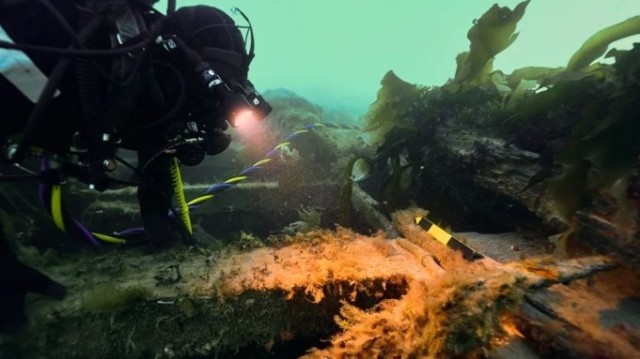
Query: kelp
x=598, y=43
x=579, y=120
x=462, y=79
x=390, y=168
x=536, y=73
x=604, y=147
x=512, y=93
x=344, y=196
x=520, y=80
x=586, y=130
x=518, y=93
x=490, y=35
x=388, y=111
x=399, y=179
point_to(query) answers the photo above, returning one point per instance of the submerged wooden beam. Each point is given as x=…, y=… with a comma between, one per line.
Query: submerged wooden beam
x=588, y=318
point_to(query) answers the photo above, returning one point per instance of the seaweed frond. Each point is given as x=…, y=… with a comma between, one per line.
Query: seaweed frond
x=394, y=97
x=598, y=43
x=490, y=35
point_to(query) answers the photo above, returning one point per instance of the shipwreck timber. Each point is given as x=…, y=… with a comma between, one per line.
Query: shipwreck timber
x=320, y=294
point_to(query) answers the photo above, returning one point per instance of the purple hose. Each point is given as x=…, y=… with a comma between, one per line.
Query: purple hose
x=41, y=194
x=87, y=234
x=44, y=167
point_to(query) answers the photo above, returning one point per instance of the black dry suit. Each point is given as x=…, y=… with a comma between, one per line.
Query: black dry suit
x=98, y=75
x=16, y=280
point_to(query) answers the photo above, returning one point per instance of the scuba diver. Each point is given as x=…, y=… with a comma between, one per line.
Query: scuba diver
x=80, y=80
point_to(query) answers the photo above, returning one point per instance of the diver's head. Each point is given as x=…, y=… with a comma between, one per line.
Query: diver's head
x=224, y=55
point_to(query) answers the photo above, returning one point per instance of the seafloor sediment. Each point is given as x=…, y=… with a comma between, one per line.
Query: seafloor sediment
x=321, y=294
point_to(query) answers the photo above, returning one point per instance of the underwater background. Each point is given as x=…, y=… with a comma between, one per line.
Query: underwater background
x=334, y=52
x=438, y=179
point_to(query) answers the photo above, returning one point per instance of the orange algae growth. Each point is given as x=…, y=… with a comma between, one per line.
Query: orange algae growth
x=445, y=307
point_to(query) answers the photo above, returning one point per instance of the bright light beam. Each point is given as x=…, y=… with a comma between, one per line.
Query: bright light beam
x=245, y=121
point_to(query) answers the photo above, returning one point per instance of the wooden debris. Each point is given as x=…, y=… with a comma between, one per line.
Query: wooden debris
x=597, y=317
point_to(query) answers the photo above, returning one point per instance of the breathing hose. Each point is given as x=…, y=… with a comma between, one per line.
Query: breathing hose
x=48, y=92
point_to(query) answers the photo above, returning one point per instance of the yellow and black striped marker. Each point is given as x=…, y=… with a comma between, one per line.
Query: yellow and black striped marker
x=448, y=239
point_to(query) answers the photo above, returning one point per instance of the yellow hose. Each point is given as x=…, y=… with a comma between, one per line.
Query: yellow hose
x=178, y=189
x=56, y=207
x=200, y=200
x=109, y=239
x=235, y=179
x=262, y=162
